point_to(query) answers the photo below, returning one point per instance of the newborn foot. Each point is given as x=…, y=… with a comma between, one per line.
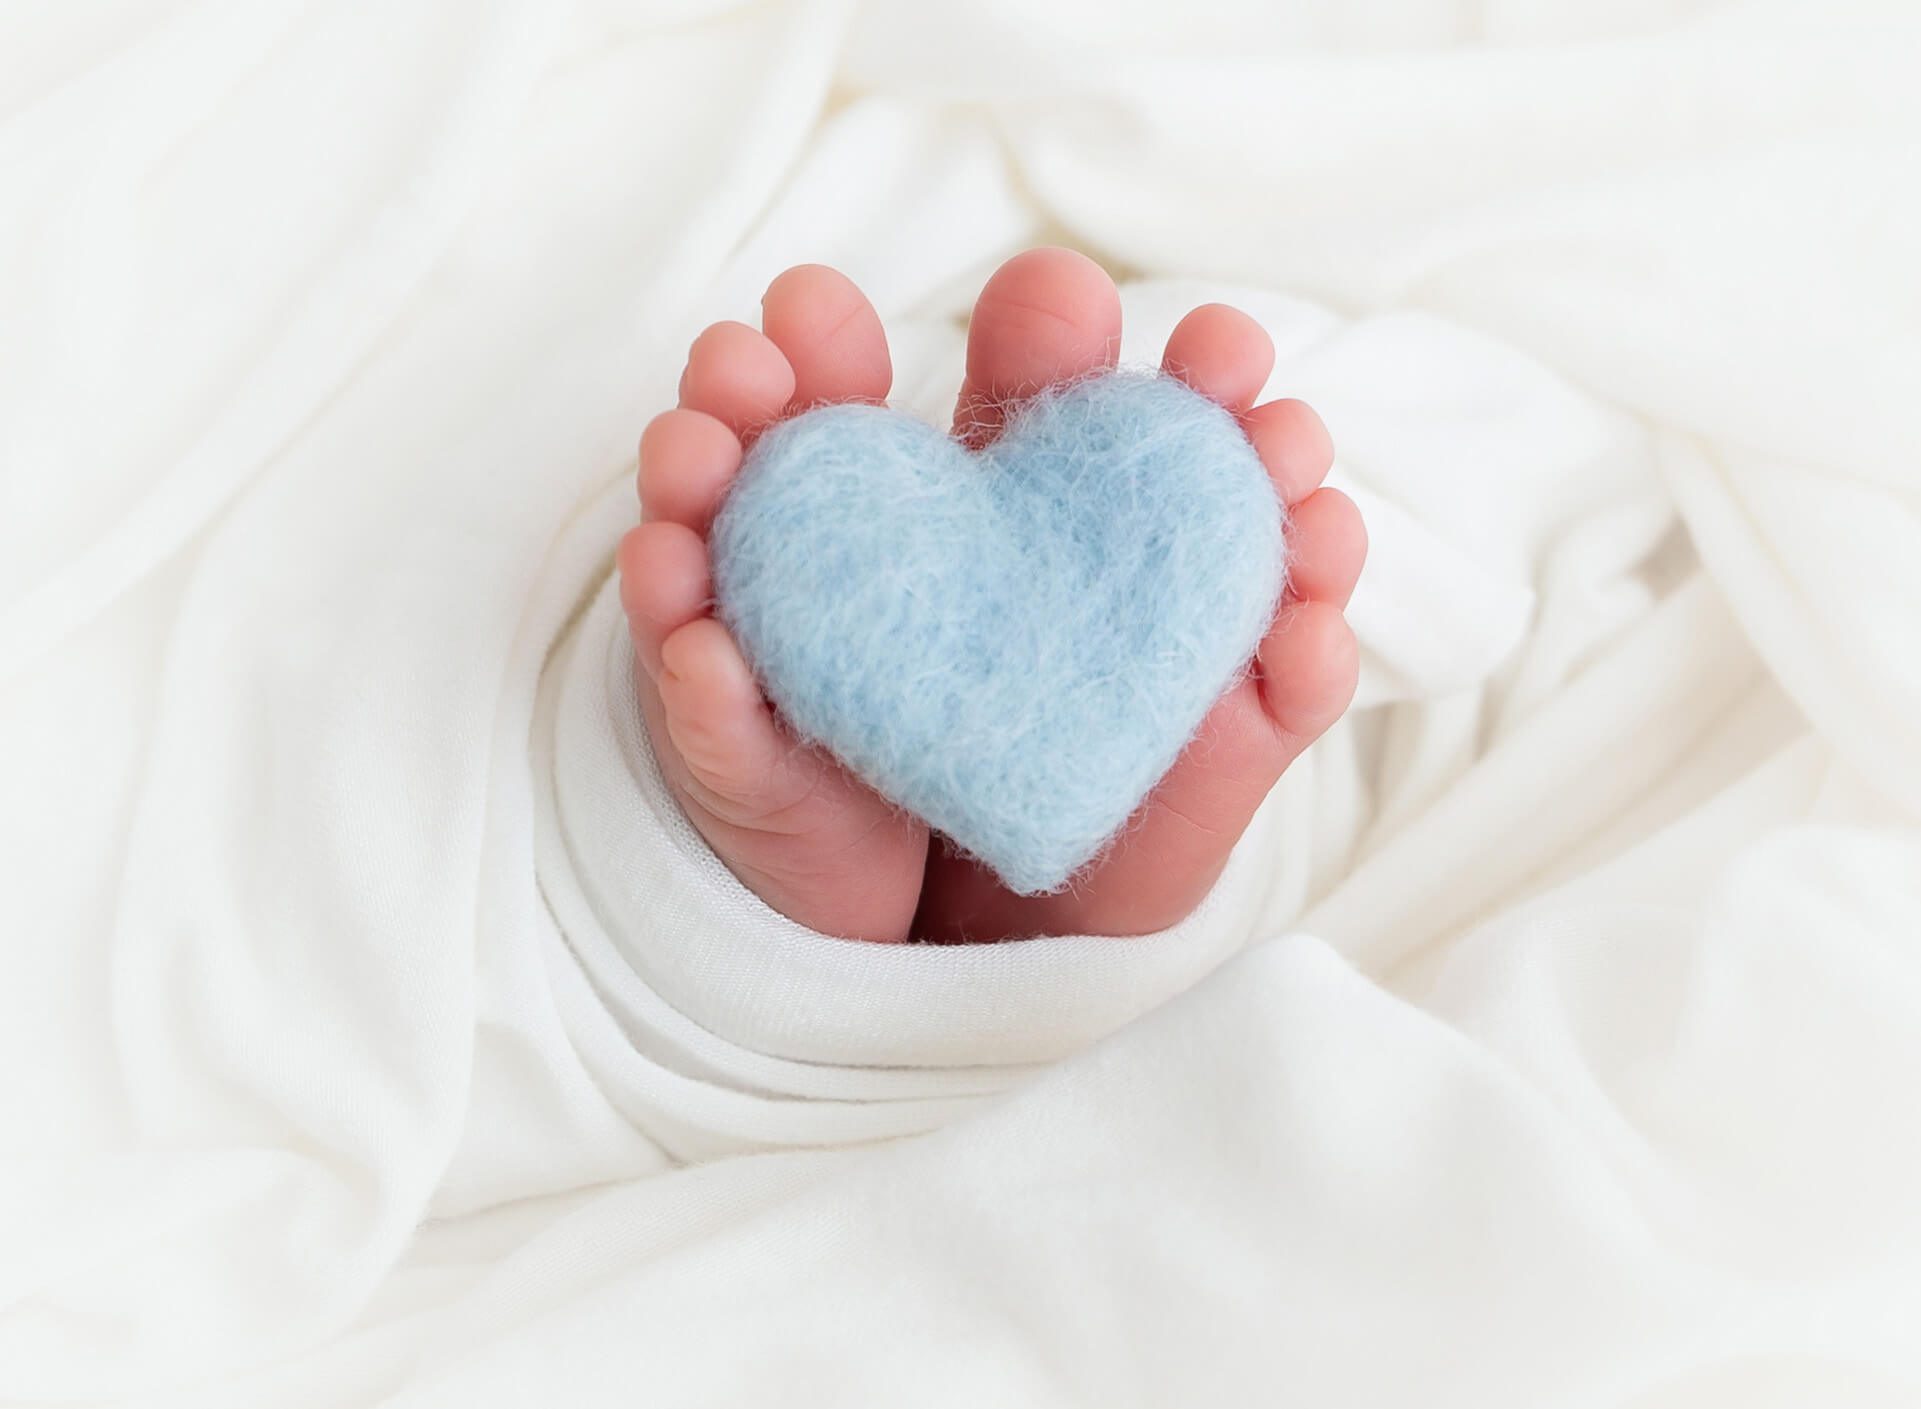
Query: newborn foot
x=796, y=828
x=1050, y=315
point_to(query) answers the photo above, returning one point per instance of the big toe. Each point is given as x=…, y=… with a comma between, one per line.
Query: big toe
x=1047, y=315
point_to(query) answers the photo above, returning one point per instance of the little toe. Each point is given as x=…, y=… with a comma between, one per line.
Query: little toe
x=1046, y=316
x=687, y=460
x=1222, y=353
x=1309, y=666
x=830, y=335
x=1327, y=545
x=665, y=582
x=720, y=724
x=738, y=376
x=1294, y=445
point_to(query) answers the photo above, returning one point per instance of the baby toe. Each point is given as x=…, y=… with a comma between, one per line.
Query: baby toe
x=665, y=582
x=1309, y=667
x=738, y=376
x=1328, y=545
x=830, y=335
x=687, y=460
x=1046, y=316
x=1293, y=443
x=1222, y=353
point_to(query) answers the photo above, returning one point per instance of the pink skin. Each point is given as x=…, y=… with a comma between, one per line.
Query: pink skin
x=808, y=838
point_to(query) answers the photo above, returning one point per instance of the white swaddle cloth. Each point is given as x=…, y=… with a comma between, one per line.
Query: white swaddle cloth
x=373, y=1029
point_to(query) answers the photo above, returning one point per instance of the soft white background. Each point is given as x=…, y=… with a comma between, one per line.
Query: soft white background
x=371, y=1031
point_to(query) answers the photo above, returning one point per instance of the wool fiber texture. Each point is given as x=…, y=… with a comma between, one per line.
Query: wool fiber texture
x=1014, y=644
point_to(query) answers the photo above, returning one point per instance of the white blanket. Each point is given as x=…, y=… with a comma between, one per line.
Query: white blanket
x=372, y=1030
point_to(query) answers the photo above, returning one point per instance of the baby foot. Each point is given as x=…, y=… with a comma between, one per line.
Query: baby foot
x=806, y=836
x=1050, y=315
x=796, y=828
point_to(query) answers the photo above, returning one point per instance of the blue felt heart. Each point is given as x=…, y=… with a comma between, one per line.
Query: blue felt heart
x=1016, y=644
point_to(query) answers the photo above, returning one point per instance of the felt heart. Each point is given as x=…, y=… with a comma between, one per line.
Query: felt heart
x=1016, y=644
